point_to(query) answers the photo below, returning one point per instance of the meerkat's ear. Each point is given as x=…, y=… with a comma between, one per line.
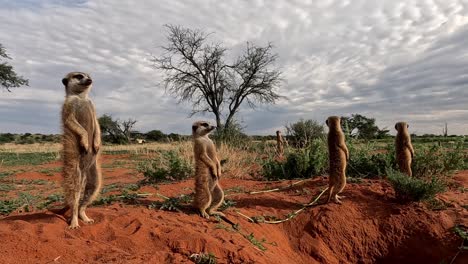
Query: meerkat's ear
x=326, y=121
x=396, y=128
x=407, y=126
x=194, y=128
x=65, y=81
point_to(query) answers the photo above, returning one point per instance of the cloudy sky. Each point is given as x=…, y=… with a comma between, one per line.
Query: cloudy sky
x=392, y=60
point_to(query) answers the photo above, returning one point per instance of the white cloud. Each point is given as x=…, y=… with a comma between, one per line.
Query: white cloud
x=392, y=60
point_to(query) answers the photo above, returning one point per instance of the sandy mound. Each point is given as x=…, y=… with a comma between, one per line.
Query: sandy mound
x=370, y=227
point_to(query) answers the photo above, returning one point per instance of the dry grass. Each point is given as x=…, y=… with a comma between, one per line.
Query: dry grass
x=30, y=148
x=238, y=162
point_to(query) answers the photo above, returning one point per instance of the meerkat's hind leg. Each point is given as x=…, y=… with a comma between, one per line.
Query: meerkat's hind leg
x=202, y=200
x=336, y=199
x=75, y=200
x=92, y=188
x=217, y=200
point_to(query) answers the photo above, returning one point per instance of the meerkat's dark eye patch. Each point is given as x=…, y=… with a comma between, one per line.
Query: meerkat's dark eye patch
x=205, y=124
x=78, y=76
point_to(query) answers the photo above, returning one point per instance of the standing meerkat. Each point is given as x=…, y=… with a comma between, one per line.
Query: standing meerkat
x=208, y=193
x=81, y=144
x=404, y=148
x=279, y=144
x=338, y=155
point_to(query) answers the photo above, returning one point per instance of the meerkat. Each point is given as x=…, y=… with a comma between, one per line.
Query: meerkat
x=338, y=155
x=208, y=193
x=81, y=145
x=404, y=148
x=279, y=144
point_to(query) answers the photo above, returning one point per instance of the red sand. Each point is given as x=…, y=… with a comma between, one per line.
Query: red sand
x=369, y=227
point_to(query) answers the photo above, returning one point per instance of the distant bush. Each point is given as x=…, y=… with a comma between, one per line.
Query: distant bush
x=301, y=163
x=155, y=135
x=7, y=138
x=414, y=189
x=303, y=132
x=436, y=160
x=168, y=166
x=365, y=161
x=233, y=135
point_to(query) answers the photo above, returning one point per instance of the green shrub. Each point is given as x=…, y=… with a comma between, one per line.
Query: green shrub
x=436, y=160
x=413, y=189
x=166, y=167
x=300, y=163
x=366, y=162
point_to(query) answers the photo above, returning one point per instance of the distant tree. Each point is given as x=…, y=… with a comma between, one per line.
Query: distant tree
x=155, y=135
x=233, y=134
x=8, y=77
x=359, y=126
x=195, y=71
x=303, y=132
x=7, y=138
x=174, y=137
x=116, y=131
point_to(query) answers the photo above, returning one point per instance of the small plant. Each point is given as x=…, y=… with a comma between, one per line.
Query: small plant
x=301, y=163
x=172, y=203
x=8, y=206
x=366, y=162
x=203, y=258
x=168, y=166
x=25, y=201
x=226, y=204
x=124, y=197
x=255, y=242
x=435, y=160
x=413, y=189
x=53, y=198
x=462, y=232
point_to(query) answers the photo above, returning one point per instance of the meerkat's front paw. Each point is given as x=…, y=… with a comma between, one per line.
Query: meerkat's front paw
x=85, y=146
x=96, y=145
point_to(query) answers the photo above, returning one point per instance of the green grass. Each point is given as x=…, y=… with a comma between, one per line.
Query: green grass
x=50, y=171
x=168, y=166
x=6, y=187
x=5, y=174
x=21, y=159
x=25, y=200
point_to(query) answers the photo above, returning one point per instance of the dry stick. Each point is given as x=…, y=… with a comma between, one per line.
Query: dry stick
x=162, y=196
x=291, y=216
x=278, y=189
x=138, y=195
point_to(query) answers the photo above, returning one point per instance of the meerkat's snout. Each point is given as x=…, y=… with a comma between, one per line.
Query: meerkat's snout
x=87, y=82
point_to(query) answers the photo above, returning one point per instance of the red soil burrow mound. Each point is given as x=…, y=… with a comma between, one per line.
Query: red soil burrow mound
x=369, y=227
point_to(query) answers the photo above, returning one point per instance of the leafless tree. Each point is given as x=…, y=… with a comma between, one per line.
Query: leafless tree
x=126, y=126
x=195, y=71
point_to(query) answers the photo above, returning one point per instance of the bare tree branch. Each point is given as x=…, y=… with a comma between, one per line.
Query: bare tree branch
x=195, y=72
